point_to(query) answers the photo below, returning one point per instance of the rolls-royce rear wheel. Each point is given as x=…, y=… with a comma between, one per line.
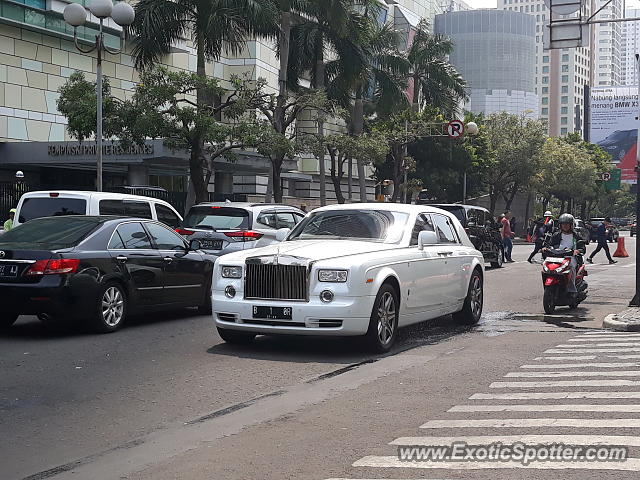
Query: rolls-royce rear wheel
x=383, y=325
x=473, y=304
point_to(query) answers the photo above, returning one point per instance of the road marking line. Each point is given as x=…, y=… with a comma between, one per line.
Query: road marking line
x=591, y=350
x=621, y=357
x=567, y=383
x=551, y=395
x=628, y=440
x=596, y=338
x=535, y=422
x=616, y=373
x=547, y=408
x=630, y=464
x=584, y=365
x=589, y=345
x=584, y=357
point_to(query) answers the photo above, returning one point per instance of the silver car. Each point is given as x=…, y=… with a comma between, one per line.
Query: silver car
x=224, y=227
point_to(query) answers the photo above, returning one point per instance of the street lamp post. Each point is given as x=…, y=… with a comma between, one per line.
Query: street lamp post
x=76, y=15
x=635, y=301
x=472, y=129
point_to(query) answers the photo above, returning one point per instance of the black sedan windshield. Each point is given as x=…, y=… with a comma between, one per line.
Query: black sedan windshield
x=49, y=233
x=372, y=225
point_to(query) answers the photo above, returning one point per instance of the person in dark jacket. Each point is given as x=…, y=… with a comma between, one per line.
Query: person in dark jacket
x=566, y=237
x=601, y=237
x=542, y=228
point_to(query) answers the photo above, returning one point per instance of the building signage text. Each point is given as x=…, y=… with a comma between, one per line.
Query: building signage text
x=91, y=149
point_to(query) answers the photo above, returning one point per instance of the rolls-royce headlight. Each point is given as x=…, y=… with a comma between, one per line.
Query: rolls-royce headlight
x=231, y=272
x=336, y=276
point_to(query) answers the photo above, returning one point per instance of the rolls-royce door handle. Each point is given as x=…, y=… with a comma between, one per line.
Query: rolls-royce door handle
x=122, y=258
x=445, y=254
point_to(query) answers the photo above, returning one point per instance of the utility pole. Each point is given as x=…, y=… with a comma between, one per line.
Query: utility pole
x=635, y=302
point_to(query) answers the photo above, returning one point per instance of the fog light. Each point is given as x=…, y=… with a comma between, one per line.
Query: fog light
x=326, y=296
x=229, y=291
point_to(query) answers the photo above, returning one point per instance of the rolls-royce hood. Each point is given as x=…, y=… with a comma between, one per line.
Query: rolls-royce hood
x=311, y=250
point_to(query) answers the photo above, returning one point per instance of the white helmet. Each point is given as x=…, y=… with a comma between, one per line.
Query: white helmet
x=548, y=214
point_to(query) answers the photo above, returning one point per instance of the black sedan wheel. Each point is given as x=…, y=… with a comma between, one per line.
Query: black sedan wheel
x=499, y=259
x=111, y=309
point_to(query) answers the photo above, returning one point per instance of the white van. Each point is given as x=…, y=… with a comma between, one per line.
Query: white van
x=63, y=202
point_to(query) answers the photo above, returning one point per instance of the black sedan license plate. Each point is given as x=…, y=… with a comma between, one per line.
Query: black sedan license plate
x=8, y=270
x=272, y=313
x=211, y=244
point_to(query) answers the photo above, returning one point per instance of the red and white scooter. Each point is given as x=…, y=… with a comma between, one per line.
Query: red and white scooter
x=556, y=274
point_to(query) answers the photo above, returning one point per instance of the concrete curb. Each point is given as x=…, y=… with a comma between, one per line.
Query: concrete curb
x=614, y=322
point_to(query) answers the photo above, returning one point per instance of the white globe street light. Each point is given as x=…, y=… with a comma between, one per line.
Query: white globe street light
x=76, y=15
x=472, y=128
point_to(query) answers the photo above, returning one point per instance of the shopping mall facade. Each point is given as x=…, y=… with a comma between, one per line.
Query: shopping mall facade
x=37, y=56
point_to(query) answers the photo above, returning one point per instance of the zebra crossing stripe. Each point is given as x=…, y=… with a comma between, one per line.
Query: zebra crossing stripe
x=614, y=344
x=584, y=357
x=590, y=350
x=601, y=338
x=567, y=383
x=551, y=395
x=546, y=408
x=616, y=373
x=627, y=440
x=584, y=365
x=535, y=422
x=630, y=464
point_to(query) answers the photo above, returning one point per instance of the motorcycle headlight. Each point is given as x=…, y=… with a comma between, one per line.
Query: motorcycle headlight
x=335, y=276
x=231, y=272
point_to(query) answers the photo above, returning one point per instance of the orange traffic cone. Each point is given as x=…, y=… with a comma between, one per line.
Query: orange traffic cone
x=621, y=251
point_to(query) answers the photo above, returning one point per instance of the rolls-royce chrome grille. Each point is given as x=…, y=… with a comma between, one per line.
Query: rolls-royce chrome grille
x=276, y=282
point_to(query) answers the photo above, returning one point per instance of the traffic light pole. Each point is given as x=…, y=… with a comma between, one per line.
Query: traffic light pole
x=635, y=302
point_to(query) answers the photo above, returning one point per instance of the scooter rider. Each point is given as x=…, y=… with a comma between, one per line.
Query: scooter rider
x=565, y=237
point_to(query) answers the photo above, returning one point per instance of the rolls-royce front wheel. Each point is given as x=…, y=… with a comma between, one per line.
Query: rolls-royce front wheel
x=383, y=326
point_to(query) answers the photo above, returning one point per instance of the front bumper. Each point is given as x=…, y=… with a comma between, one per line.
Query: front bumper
x=346, y=316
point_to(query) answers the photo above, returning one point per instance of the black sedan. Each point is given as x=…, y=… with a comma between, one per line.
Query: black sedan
x=98, y=270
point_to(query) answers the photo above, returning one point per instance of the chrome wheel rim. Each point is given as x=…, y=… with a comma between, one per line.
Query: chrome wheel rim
x=500, y=257
x=476, y=296
x=112, y=306
x=386, y=318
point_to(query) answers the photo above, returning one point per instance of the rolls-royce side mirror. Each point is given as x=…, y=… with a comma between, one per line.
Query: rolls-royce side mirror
x=282, y=234
x=426, y=238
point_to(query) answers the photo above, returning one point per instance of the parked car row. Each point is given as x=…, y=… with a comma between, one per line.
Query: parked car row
x=342, y=270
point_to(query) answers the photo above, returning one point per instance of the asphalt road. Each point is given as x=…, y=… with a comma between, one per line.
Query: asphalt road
x=165, y=398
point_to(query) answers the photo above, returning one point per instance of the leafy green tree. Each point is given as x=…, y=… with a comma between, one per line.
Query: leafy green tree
x=214, y=27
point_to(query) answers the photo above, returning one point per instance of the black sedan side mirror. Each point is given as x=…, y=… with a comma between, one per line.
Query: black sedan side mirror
x=194, y=245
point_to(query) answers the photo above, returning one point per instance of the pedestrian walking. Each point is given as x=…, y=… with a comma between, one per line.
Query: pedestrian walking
x=513, y=223
x=601, y=237
x=543, y=227
x=507, y=235
x=8, y=225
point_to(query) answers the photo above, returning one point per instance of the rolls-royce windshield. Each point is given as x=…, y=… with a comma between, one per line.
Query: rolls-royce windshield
x=369, y=225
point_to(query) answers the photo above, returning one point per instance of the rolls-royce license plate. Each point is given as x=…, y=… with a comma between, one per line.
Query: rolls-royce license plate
x=272, y=313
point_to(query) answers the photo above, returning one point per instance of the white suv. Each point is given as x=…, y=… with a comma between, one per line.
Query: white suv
x=227, y=227
x=64, y=202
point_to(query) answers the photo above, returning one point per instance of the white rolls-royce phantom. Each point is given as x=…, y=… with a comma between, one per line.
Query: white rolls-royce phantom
x=357, y=269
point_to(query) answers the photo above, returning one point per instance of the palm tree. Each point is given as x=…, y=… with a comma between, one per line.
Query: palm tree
x=375, y=73
x=435, y=81
x=215, y=27
x=327, y=26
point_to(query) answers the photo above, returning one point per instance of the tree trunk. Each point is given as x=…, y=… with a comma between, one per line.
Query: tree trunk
x=350, y=179
x=279, y=119
x=397, y=152
x=493, y=199
x=416, y=94
x=336, y=176
x=525, y=223
x=512, y=195
x=196, y=158
x=319, y=77
x=277, y=179
x=358, y=127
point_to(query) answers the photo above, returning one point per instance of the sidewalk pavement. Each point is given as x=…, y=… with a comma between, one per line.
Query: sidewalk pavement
x=628, y=320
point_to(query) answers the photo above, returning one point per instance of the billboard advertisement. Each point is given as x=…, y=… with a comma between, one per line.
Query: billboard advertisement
x=613, y=126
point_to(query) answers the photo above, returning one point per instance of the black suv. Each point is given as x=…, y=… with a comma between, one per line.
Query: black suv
x=482, y=230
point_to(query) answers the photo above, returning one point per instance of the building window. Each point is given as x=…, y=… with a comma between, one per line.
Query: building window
x=565, y=89
x=565, y=78
x=565, y=68
x=545, y=89
x=545, y=111
x=545, y=69
x=545, y=58
x=545, y=79
x=565, y=57
x=545, y=100
x=564, y=121
x=564, y=110
x=563, y=131
x=564, y=99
